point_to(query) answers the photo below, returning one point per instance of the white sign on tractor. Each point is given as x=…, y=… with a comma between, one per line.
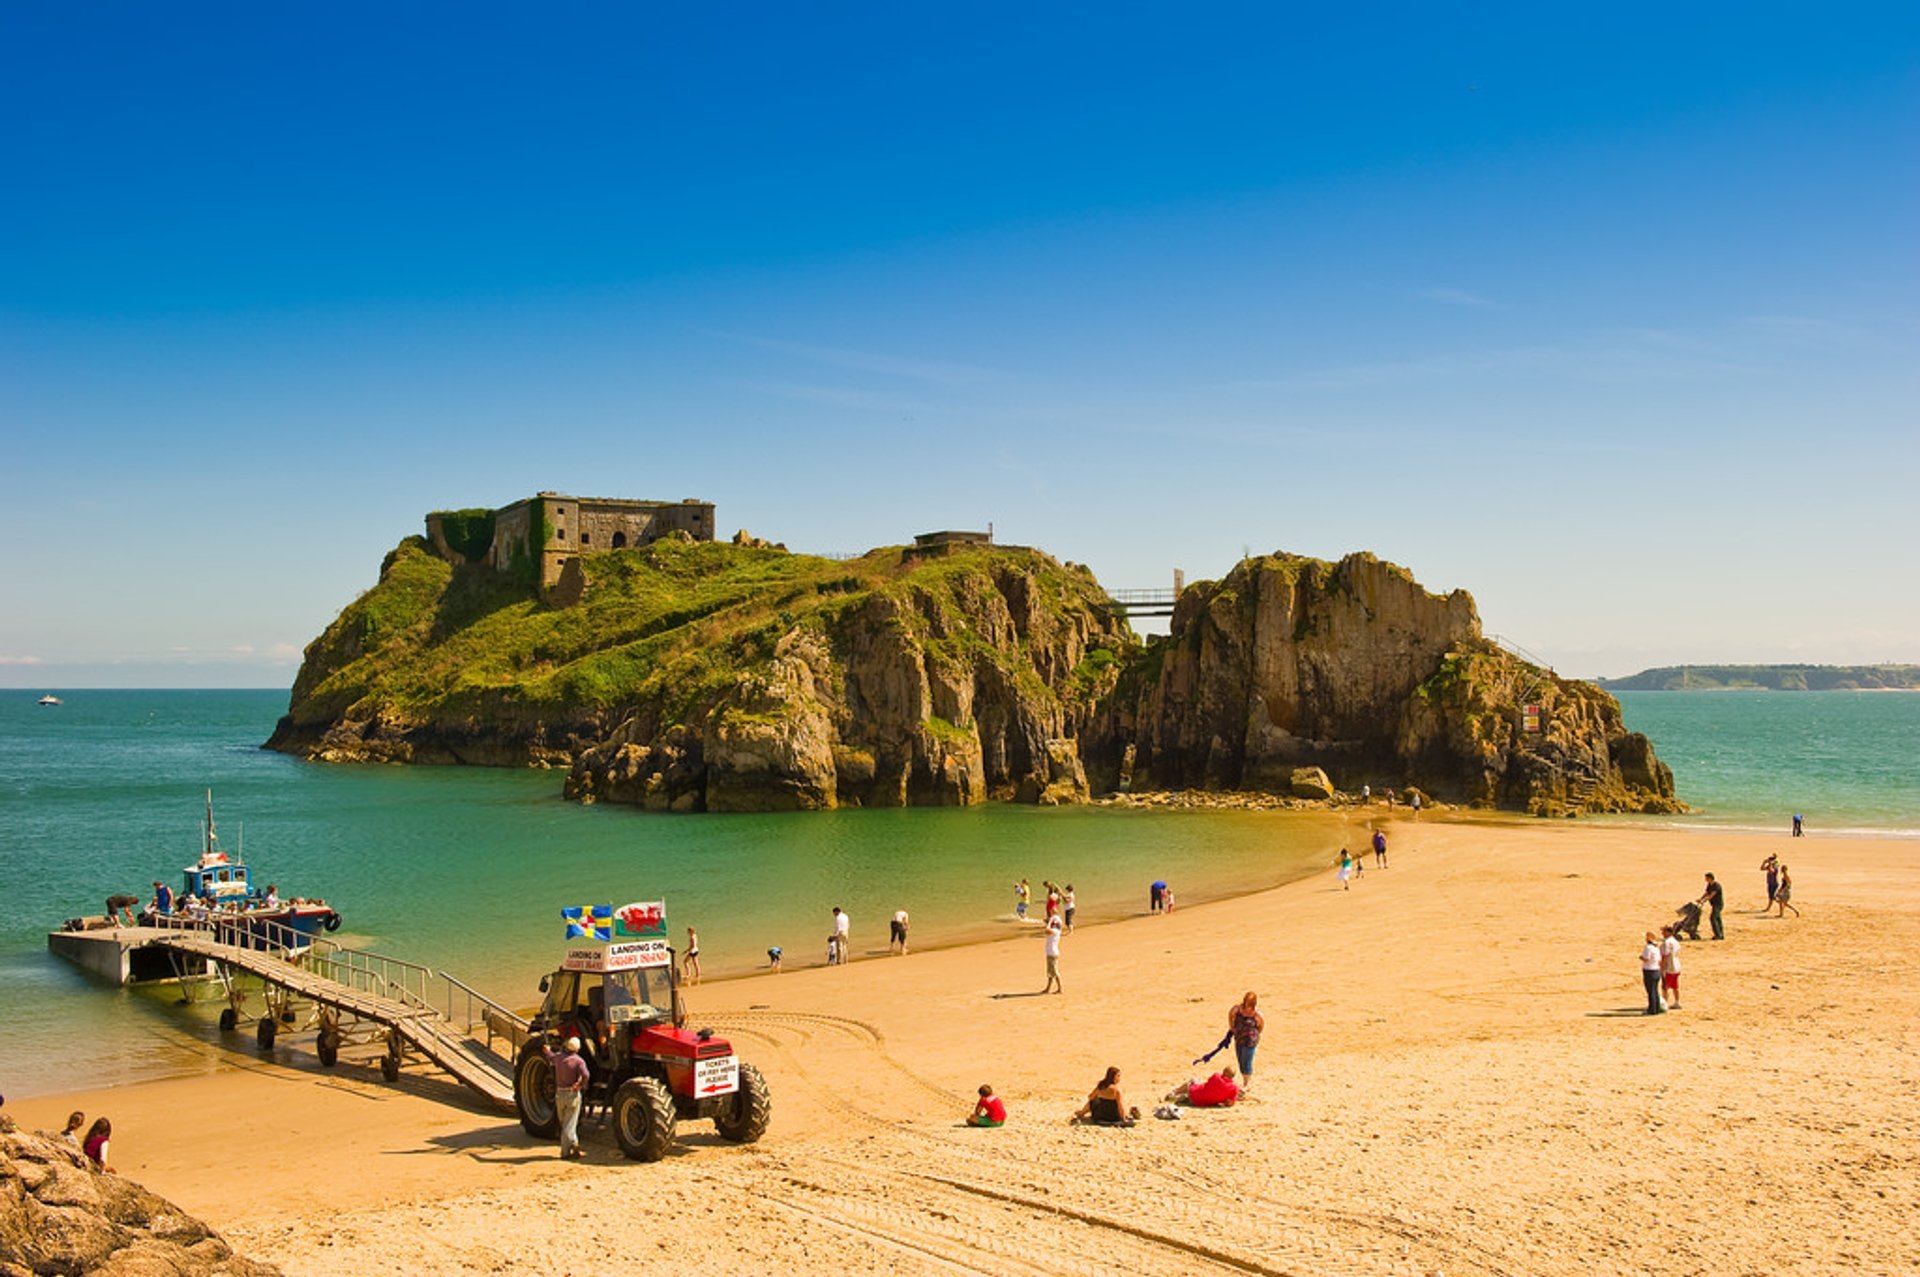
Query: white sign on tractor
x=716, y=1075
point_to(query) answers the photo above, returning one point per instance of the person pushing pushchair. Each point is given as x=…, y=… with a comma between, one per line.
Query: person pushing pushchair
x=1689, y=924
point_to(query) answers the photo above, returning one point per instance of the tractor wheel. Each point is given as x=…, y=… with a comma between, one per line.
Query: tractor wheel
x=328, y=1049
x=752, y=1107
x=643, y=1118
x=264, y=1034
x=229, y=1020
x=533, y=1094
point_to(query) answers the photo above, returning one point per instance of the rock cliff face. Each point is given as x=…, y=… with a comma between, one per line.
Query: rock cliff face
x=709, y=677
x=58, y=1215
x=1292, y=663
x=730, y=678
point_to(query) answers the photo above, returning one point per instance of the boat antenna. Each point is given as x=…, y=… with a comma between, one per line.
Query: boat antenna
x=211, y=838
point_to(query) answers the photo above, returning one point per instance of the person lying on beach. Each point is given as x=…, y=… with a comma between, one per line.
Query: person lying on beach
x=1105, y=1105
x=1216, y=1091
x=989, y=1111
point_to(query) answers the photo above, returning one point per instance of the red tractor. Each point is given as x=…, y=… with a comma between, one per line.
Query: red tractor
x=648, y=1069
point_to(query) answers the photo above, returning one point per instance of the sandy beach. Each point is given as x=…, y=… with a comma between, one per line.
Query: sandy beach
x=1455, y=1078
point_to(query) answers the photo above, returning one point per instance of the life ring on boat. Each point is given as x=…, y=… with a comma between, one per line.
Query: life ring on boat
x=333, y=922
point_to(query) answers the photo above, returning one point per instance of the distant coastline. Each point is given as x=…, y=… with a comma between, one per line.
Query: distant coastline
x=1769, y=678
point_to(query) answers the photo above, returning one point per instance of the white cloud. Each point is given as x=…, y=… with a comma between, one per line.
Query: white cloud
x=20, y=660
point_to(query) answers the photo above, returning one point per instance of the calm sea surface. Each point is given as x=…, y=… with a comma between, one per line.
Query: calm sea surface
x=466, y=870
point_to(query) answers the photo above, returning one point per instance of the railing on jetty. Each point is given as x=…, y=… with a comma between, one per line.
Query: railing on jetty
x=449, y=1021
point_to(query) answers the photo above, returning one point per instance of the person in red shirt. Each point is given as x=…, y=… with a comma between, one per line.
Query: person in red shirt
x=1217, y=1091
x=989, y=1111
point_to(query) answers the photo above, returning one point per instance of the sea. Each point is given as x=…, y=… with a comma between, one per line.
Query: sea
x=466, y=869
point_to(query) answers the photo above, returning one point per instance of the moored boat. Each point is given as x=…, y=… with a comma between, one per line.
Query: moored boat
x=49, y=699
x=219, y=889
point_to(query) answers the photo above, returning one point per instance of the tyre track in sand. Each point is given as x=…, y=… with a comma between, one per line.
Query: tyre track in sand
x=952, y=1175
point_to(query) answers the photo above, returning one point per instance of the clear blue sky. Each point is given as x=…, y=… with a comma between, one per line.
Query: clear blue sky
x=1604, y=313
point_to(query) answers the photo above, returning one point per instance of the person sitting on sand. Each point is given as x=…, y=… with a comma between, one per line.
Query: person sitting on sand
x=989, y=1111
x=1216, y=1091
x=96, y=1144
x=75, y=1120
x=1105, y=1105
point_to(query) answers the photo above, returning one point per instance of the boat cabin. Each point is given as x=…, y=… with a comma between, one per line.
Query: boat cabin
x=219, y=880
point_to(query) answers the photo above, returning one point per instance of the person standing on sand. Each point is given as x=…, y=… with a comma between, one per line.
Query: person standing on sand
x=1156, y=896
x=570, y=1074
x=1346, y=870
x=1054, y=928
x=1714, y=897
x=1053, y=898
x=1783, y=895
x=690, y=965
x=1771, y=868
x=897, y=932
x=1244, y=1021
x=1650, y=974
x=840, y=928
x=1380, y=848
x=1366, y=795
x=1021, y=894
x=1670, y=966
x=1067, y=900
x=1797, y=831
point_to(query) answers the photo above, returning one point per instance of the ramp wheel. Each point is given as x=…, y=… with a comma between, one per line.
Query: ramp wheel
x=229, y=1020
x=390, y=1067
x=328, y=1048
x=266, y=1032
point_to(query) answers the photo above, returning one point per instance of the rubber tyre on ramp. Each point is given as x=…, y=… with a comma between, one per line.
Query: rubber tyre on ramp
x=265, y=1033
x=327, y=1047
x=533, y=1094
x=752, y=1108
x=643, y=1118
x=229, y=1020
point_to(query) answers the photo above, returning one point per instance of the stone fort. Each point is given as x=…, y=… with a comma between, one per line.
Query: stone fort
x=559, y=529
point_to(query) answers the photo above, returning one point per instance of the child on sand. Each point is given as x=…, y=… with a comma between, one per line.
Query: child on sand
x=989, y=1111
x=1346, y=870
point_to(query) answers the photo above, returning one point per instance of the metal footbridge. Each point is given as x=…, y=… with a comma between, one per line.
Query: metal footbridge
x=414, y=1008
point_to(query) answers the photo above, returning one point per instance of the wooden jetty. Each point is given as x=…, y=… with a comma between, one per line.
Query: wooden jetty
x=345, y=991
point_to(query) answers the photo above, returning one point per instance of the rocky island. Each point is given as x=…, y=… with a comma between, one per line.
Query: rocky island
x=680, y=674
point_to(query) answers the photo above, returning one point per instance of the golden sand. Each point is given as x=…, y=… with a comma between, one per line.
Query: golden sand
x=1455, y=1078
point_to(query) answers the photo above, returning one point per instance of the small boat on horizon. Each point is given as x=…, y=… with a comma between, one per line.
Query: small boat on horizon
x=50, y=699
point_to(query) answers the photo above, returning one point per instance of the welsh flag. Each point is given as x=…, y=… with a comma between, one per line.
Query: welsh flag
x=589, y=922
x=641, y=920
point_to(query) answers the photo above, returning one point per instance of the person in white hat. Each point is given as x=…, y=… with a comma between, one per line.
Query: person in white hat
x=570, y=1074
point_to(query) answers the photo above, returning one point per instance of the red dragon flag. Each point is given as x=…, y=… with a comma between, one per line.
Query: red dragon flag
x=641, y=920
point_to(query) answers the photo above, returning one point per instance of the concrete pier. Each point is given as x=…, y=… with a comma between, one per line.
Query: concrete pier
x=122, y=955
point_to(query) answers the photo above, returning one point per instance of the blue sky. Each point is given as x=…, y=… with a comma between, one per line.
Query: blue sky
x=1607, y=317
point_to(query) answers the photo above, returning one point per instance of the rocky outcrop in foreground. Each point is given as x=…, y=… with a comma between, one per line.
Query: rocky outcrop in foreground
x=1293, y=663
x=58, y=1215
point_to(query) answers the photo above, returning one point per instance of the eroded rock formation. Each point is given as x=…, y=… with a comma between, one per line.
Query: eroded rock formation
x=1352, y=667
x=58, y=1215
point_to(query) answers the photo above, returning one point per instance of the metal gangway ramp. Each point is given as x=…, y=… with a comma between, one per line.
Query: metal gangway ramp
x=395, y=995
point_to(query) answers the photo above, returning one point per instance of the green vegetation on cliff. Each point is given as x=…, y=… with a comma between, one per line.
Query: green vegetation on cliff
x=1771, y=678
x=456, y=662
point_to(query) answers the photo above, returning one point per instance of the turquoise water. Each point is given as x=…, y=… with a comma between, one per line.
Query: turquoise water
x=466, y=870
x=1848, y=761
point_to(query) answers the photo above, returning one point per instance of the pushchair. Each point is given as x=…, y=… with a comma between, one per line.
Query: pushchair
x=1689, y=924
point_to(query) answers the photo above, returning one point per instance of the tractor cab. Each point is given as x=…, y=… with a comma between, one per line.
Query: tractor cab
x=604, y=1008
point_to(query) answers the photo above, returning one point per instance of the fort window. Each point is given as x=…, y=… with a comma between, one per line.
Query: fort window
x=559, y=534
x=585, y=537
x=619, y=540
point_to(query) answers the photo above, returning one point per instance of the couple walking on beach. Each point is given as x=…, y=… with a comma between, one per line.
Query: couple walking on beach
x=1660, y=970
